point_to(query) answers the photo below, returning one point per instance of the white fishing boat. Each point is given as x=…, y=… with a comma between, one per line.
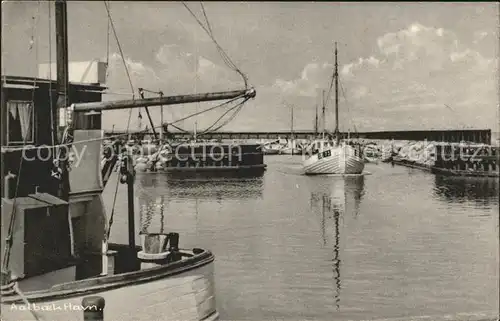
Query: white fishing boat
x=58, y=259
x=291, y=148
x=272, y=148
x=330, y=157
x=372, y=153
x=333, y=155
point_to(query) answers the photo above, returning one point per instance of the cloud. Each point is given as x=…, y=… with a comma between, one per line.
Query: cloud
x=414, y=73
x=175, y=72
x=480, y=35
x=362, y=63
x=309, y=82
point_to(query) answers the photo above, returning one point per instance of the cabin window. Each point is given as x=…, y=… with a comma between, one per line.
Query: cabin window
x=20, y=121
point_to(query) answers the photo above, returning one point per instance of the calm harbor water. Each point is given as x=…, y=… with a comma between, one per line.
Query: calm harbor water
x=394, y=243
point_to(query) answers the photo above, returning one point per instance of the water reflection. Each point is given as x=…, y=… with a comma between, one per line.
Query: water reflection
x=154, y=186
x=481, y=190
x=344, y=193
x=332, y=199
x=219, y=189
x=408, y=252
x=157, y=193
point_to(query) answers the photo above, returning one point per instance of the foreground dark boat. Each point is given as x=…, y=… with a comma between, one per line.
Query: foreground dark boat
x=58, y=261
x=181, y=290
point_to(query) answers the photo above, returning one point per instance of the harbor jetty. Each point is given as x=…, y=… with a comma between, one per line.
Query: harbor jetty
x=447, y=135
x=456, y=159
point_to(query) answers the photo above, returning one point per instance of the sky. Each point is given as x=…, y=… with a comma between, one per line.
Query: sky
x=401, y=65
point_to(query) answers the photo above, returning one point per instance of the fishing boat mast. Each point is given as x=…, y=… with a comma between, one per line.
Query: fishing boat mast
x=291, y=130
x=62, y=62
x=161, y=119
x=316, y=123
x=324, y=118
x=336, y=75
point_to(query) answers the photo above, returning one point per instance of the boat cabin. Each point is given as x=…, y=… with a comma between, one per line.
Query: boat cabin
x=48, y=232
x=319, y=145
x=27, y=120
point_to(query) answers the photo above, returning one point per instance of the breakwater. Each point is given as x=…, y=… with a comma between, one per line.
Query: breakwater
x=483, y=136
x=457, y=159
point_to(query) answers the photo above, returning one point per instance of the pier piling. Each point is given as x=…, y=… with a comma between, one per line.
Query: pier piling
x=93, y=308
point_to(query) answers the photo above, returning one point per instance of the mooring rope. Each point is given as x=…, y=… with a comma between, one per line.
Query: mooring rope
x=26, y=302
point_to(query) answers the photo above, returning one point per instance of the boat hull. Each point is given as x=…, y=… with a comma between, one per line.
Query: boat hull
x=252, y=171
x=340, y=160
x=370, y=159
x=245, y=159
x=176, y=295
x=291, y=151
x=270, y=151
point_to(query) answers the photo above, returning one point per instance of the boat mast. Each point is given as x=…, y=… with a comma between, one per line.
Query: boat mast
x=316, y=122
x=291, y=130
x=336, y=75
x=324, y=118
x=195, y=128
x=161, y=120
x=61, y=17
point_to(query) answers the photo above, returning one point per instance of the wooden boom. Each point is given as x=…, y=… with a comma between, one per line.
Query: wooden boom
x=158, y=101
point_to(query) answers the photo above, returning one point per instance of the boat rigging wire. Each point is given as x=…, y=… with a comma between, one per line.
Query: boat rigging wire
x=328, y=96
x=206, y=18
x=238, y=108
x=107, y=41
x=335, y=74
x=206, y=110
x=347, y=105
x=110, y=222
x=119, y=48
x=23, y=297
x=225, y=57
x=227, y=60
